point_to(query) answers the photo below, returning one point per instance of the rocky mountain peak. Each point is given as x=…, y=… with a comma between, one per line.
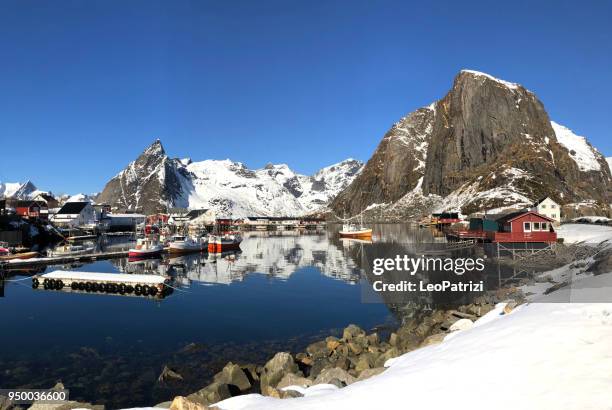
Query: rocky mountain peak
x=154, y=182
x=155, y=149
x=487, y=143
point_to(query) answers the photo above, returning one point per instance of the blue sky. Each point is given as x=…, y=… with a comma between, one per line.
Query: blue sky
x=85, y=86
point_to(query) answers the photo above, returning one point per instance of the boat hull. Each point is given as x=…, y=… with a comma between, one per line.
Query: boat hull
x=361, y=234
x=23, y=255
x=177, y=249
x=222, y=247
x=144, y=254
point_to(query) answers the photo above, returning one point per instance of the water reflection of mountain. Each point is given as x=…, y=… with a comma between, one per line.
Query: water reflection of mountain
x=275, y=255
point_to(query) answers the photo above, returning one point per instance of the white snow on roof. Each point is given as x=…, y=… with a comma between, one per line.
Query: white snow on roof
x=512, y=86
x=584, y=154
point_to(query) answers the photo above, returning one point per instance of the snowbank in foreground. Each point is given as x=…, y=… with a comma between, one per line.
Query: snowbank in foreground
x=590, y=234
x=541, y=356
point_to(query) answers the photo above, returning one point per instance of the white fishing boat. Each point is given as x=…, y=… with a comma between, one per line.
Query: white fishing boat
x=146, y=248
x=186, y=244
x=356, y=231
x=70, y=250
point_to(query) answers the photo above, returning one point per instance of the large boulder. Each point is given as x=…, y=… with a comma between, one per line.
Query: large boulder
x=291, y=379
x=212, y=393
x=318, y=349
x=367, y=373
x=319, y=365
x=433, y=339
x=327, y=375
x=169, y=375
x=275, y=369
x=233, y=374
x=352, y=331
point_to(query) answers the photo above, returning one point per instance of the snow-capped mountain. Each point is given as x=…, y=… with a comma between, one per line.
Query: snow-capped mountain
x=18, y=190
x=155, y=182
x=488, y=144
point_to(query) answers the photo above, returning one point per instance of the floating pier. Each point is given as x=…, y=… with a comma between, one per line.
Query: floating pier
x=60, y=260
x=95, y=282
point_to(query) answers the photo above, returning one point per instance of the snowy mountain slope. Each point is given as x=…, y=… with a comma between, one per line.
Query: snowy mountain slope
x=8, y=189
x=18, y=190
x=154, y=182
x=585, y=155
x=609, y=161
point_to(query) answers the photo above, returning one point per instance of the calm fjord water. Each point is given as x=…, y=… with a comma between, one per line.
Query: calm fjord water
x=281, y=292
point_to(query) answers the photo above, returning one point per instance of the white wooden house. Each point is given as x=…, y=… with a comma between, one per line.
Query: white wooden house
x=75, y=214
x=548, y=208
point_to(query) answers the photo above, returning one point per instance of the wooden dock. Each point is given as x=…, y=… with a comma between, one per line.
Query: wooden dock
x=60, y=260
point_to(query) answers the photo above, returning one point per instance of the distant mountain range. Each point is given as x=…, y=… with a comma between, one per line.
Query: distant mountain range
x=17, y=190
x=487, y=145
x=155, y=182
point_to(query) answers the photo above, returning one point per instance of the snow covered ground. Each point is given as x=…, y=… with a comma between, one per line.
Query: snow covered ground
x=553, y=355
x=540, y=356
x=589, y=234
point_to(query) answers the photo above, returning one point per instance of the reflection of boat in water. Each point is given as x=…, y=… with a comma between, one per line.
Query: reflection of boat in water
x=350, y=240
x=187, y=244
x=222, y=243
x=70, y=250
x=146, y=248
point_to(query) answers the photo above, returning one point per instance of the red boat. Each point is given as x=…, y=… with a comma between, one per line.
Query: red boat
x=222, y=243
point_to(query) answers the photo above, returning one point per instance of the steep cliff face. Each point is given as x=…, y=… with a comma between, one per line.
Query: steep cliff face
x=396, y=167
x=487, y=144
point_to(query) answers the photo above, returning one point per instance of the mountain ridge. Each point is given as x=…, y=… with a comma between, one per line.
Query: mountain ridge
x=487, y=144
x=155, y=182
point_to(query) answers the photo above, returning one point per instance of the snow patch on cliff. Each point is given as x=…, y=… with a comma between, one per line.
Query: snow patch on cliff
x=585, y=155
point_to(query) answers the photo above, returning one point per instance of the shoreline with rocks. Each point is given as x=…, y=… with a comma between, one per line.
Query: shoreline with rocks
x=339, y=361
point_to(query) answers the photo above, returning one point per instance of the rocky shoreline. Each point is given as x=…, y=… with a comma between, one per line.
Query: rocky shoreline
x=340, y=361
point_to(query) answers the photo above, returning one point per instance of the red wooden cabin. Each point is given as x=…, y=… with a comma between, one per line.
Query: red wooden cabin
x=524, y=227
x=31, y=209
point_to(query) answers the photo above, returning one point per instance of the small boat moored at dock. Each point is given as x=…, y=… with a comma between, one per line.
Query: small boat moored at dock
x=187, y=244
x=222, y=243
x=146, y=248
x=21, y=255
x=350, y=231
x=70, y=250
